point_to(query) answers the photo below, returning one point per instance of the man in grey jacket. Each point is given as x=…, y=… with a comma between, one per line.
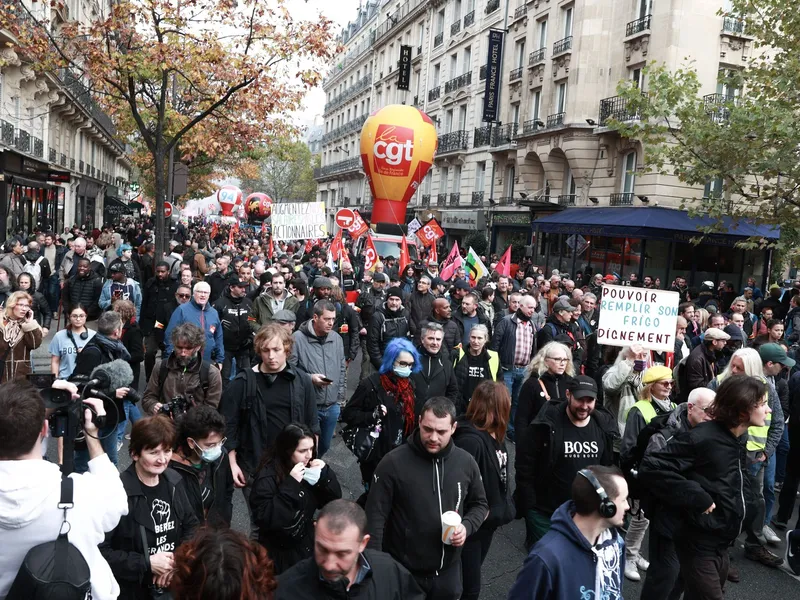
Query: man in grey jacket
x=319, y=351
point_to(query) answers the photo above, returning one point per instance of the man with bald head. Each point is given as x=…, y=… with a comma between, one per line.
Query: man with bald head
x=198, y=311
x=70, y=263
x=663, y=575
x=442, y=314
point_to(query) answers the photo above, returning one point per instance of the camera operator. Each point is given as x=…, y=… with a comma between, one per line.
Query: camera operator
x=183, y=379
x=103, y=348
x=30, y=489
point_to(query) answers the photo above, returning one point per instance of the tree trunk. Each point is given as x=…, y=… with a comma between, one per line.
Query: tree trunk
x=160, y=194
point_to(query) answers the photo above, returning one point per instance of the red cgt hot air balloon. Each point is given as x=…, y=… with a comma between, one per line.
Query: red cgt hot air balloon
x=397, y=147
x=228, y=196
x=258, y=206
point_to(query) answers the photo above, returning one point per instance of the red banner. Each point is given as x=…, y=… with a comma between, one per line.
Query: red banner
x=370, y=256
x=359, y=226
x=337, y=247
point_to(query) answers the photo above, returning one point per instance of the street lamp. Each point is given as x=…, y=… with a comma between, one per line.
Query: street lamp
x=591, y=122
x=644, y=199
x=594, y=200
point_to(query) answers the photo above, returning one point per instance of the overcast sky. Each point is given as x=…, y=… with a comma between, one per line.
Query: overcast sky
x=340, y=12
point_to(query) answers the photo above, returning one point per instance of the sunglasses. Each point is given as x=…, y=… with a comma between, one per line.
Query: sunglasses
x=667, y=383
x=183, y=295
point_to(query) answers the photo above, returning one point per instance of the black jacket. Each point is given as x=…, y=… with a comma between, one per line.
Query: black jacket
x=551, y=329
x=220, y=512
x=409, y=492
x=504, y=341
x=122, y=547
x=131, y=268
x=532, y=398
x=246, y=418
x=41, y=310
x=84, y=291
x=133, y=340
x=158, y=303
x=436, y=378
x=218, y=282
x=696, y=372
x=384, y=326
x=368, y=302
x=461, y=369
x=704, y=465
x=420, y=309
x=538, y=447
x=498, y=490
x=451, y=336
x=360, y=412
x=237, y=335
x=284, y=513
x=386, y=580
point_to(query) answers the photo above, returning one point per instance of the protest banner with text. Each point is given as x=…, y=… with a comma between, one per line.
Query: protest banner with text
x=298, y=220
x=630, y=315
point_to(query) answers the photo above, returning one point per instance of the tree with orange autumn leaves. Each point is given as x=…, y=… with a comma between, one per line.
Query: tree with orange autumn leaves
x=209, y=78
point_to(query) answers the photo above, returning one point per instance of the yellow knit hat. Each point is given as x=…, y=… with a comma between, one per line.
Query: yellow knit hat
x=657, y=373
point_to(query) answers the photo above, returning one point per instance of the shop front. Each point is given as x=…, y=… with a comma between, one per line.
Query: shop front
x=653, y=241
x=509, y=228
x=29, y=195
x=114, y=209
x=458, y=224
x=86, y=203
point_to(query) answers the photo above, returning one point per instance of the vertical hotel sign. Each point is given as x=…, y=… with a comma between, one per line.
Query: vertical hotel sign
x=404, y=79
x=493, y=75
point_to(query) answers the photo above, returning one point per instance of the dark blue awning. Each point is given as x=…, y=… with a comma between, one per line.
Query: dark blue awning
x=651, y=222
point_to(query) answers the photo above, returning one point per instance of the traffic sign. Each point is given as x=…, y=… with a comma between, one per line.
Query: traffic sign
x=167, y=210
x=344, y=218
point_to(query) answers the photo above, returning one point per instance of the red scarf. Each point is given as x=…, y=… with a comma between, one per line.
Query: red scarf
x=400, y=388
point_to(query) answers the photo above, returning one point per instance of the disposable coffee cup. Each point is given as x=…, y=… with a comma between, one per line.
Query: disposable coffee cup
x=450, y=520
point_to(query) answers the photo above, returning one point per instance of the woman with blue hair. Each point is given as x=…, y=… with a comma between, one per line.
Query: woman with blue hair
x=124, y=253
x=385, y=401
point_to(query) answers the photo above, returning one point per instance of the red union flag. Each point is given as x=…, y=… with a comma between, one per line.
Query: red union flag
x=429, y=233
x=393, y=150
x=370, y=256
x=359, y=226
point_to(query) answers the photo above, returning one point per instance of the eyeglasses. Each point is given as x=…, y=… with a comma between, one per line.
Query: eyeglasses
x=558, y=360
x=402, y=363
x=667, y=383
x=183, y=295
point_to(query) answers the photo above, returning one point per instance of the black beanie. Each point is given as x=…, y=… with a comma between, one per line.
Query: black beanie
x=394, y=291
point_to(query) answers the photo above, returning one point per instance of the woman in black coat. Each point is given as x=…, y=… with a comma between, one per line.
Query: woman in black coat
x=290, y=486
x=481, y=432
x=388, y=396
x=159, y=515
x=40, y=306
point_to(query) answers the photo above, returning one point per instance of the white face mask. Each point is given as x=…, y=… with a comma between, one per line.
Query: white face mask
x=312, y=475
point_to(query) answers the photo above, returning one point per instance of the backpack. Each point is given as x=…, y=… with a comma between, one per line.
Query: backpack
x=54, y=570
x=34, y=269
x=174, y=268
x=162, y=375
x=630, y=466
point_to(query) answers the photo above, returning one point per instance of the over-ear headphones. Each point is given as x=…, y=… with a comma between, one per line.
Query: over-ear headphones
x=84, y=335
x=607, y=507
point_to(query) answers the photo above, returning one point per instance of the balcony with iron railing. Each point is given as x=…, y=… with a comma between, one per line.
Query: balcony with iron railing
x=455, y=27
x=7, y=133
x=531, y=126
x=718, y=106
x=455, y=198
x=23, y=141
x=441, y=199
x=351, y=92
x=562, y=46
x=566, y=200
x=434, y=93
x=477, y=198
x=621, y=199
x=482, y=72
x=454, y=141
x=504, y=134
x=616, y=108
x=515, y=74
x=520, y=12
x=556, y=120
x=732, y=25
x=537, y=56
x=62, y=160
x=458, y=82
x=83, y=96
x=52, y=155
x=438, y=40
x=343, y=166
x=425, y=200
x=491, y=6
x=38, y=147
x=482, y=136
x=351, y=126
x=469, y=18
x=638, y=26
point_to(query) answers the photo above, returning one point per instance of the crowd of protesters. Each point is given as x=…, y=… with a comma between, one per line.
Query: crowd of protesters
x=246, y=346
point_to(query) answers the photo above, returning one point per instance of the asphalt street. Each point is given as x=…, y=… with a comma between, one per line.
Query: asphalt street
x=507, y=552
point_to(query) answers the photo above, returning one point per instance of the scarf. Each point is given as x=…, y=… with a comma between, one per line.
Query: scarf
x=11, y=331
x=400, y=388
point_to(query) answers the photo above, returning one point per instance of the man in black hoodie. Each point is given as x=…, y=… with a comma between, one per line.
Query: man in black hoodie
x=413, y=486
x=158, y=302
x=437, y=377
x=389, y=321
x=235, y=309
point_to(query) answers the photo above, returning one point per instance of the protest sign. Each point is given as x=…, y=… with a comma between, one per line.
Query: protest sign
x=630, y=315
x=298, y=220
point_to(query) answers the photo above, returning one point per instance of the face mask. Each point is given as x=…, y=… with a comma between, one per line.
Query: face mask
x=403, y=372
x=209, y=455
x=312, y=475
